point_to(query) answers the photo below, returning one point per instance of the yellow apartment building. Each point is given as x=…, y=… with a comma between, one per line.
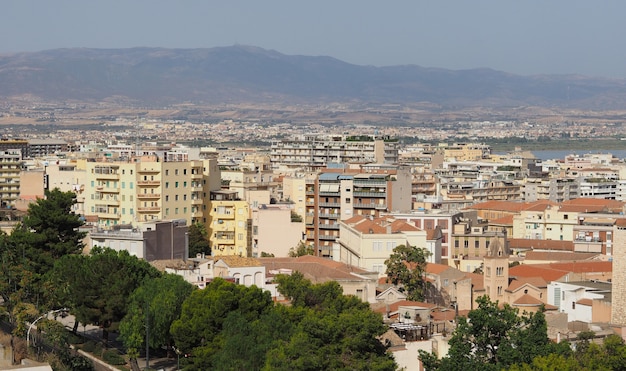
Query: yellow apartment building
x=229, y=225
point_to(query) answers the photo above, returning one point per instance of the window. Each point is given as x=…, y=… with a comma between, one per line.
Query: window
x=176, y=211
x=456, y=243
x=240, y=236
x=176, y=198
x=176, y=172
x=167, y=198
x=167, y=172
x=176, y=185
x=184, y=171
x=476, y=244
x=184, y=184
x=565, y=216
x=499, y=290
x=347, y=199
x=167, y=184
x=466, y=244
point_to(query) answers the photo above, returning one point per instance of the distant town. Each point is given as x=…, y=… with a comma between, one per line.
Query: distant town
x=536, y=234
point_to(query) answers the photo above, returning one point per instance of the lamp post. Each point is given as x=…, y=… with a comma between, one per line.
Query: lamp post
x=40, y=317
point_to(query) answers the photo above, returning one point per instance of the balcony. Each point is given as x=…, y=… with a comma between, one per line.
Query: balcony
x=148, y=182
x=107, y=176
x=196, y=214
x=196, y=176
x=329, y=216
x=149, y=209
x=197, y=201
x=148, y=195
x=224, y=214
x=148, y=171
x=108, y=216
x=369, y=206
x=326, y=237
x=369, y=194
x=329, y=204
x=328, y=226
x=107, y=202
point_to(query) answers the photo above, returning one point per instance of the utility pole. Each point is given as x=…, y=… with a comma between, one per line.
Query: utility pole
x=147, y=337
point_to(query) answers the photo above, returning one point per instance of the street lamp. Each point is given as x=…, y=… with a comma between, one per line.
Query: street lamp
x=40, y=317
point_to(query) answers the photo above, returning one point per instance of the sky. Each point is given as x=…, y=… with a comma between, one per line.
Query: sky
x=526, y=37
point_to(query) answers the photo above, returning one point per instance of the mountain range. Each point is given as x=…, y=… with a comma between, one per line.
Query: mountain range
x=238, y=74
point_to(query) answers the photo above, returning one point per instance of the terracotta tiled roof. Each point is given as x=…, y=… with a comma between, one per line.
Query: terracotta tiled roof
x=545, y=272
x=477, y=281
x=518, y=283
x=620, y=222
x=404, y=303
x=436, y=268
x=527, y=300
x=380, y=225
x=528, y=244
x=315, y=269
x=530, y=301
x=559, y=255
x=587, y=302
x=584, y=266
x=513, y=206
x=506, y=220
x=237, y=261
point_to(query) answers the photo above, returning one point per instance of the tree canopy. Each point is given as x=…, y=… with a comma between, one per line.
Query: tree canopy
x=198, y=240
x=405, y=267
x=493, y=337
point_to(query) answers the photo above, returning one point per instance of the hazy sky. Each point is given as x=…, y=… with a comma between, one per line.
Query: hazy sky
x=523, y=36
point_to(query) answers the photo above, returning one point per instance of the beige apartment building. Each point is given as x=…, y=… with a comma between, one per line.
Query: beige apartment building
x=315, y=152
x=367, y=242
x=148, y=190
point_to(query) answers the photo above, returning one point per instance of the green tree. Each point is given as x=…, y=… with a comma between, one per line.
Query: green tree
x=198, y=331
x=198, y=240
x=48, y=232
x=405, y=267
x=335, y=332
x=493, y=338
x=158, y=300
x=301, y=249
x=98, y=287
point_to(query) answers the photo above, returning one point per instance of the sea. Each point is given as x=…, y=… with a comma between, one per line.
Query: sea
x=560, y=154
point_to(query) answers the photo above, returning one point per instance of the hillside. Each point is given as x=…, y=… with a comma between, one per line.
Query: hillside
x=236, y=74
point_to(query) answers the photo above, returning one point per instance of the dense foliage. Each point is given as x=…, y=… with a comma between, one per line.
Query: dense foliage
x=198, y=240
x=233, y=327
x=405, y=267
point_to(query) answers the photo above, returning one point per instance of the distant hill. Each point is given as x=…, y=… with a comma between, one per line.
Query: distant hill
x=155, y=76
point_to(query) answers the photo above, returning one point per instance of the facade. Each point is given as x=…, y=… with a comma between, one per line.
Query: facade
x=229, y=225
x=340, y=194
x=553, y=189
x=496, y=270
x=275, y=230
x=618, y=314
x=579, y=299
x=149, y=241
x=315, y=152
x=434, y=219
x=38, y=148
x=148, y=190
x=10, y=168
x=366, y=243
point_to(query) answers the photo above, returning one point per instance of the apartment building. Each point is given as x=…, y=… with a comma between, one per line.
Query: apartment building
x=314, y=152
x=434, y=219
x=556, y=189
x=149, y=190
x=229, y=224
x=339, y=193
x=276, y=228
x=10, y=168
x=367, y=242
x=150, y=241
x=471, y=243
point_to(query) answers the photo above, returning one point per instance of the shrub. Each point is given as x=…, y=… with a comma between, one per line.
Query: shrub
x=89, y=346
x=113, y=358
